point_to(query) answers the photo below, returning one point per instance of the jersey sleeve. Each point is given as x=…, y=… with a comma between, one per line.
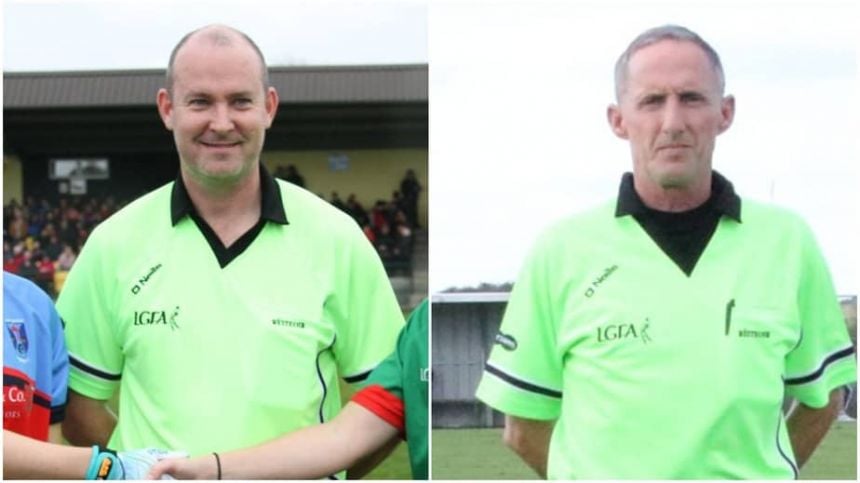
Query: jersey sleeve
x=523, y=376
x=59, y=366
x=86, y=305
x=384, y=391
x=824, y=358
x=365, y=311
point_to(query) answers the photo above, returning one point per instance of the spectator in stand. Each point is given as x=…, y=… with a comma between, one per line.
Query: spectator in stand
x=28, y=267
x=410, y=188
x=12, y=256
x=45, y=269
x=290, y=174
x=368, y=232
x=66, y=259
x=68, y=233
x=385, y=242
x=17, y=228
x=294, y=177
x=356, y=211
x=403, y=236
x=337, y=202
x=378, y=215
x=52, y=247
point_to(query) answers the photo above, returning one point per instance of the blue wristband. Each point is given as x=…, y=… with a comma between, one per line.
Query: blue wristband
x=102, y=465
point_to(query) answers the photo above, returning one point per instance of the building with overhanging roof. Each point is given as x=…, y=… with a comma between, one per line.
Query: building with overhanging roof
x=351, y=129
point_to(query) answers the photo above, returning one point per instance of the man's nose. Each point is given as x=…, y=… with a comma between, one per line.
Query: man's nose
x=221, y=119
x=673, y=118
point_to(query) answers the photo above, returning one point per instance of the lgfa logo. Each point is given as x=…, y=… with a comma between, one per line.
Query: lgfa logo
x=157, y=317
x=613, y=332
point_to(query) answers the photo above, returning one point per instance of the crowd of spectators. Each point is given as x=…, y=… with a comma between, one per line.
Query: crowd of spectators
x=388, y=224
x=41, y=237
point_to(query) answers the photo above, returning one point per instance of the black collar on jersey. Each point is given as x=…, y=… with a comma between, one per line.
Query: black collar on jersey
x=723, y=198
x=271, y=209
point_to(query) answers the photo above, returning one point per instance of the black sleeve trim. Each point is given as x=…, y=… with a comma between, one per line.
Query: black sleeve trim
x=58, y=414
x=847, y=352
x=520, y=383
x=358, y=377
x=92, y=370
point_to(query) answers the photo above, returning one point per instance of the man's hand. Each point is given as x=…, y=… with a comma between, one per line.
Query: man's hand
x=529, y=438
x=125, y=465
x=199, y=468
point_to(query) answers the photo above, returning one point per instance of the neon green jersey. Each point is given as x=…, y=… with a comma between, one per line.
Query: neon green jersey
x=212, y=358
x=653, y=374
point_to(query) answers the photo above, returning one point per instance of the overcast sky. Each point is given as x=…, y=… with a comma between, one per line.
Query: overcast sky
x=519, y=137
x=75, y=35
x=518, y=93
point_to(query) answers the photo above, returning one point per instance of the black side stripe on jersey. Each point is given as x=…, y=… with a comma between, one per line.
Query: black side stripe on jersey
x=520, y=383
x=779, y=446
x=324, y=388
x=358, y=377
x=322, y=379
x=92, y=370
x=847, y=352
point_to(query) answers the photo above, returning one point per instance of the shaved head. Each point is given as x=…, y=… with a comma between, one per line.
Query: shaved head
x=219, y=36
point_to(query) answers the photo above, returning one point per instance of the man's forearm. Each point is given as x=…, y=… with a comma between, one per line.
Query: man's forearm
x=807, y=426
x=88, y=421
x=530, y=440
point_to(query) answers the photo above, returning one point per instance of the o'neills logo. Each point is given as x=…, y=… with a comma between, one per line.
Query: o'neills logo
x=142, y=280
x=595, y=284
x=157, y=317
x=506, y=341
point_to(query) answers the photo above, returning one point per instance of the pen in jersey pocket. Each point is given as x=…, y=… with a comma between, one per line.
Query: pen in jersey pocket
x=729, y=307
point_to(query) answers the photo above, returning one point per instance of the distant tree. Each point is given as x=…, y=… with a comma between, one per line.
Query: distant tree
x=482, y=287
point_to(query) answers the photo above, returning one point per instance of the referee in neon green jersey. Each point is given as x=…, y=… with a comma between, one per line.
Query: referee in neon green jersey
x=656, y=336
x=225, y=305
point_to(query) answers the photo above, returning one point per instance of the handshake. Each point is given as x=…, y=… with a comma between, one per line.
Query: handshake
x=106, y=464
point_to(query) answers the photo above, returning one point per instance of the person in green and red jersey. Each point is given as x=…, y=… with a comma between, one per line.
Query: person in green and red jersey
x=393, y=403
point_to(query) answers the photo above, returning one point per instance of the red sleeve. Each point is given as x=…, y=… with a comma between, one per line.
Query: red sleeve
x=383, y=404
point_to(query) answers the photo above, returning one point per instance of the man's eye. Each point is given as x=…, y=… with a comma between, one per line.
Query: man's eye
x=692, y=98
x=198, y=102
x=242, y=101
x=651, y=100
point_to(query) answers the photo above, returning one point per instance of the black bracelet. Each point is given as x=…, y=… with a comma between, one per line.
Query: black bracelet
x=218, y=462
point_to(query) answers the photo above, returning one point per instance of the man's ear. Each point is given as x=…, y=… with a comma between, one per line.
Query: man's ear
x=727, y=109
x=165, y=108
x=616, y=121
x=271, y=105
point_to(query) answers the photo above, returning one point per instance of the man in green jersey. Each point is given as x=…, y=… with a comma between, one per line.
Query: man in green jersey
x=227, y=304
x=393, y=402
x=656, y=336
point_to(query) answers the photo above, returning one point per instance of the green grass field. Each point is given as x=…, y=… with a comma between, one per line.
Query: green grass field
x=466, y=454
